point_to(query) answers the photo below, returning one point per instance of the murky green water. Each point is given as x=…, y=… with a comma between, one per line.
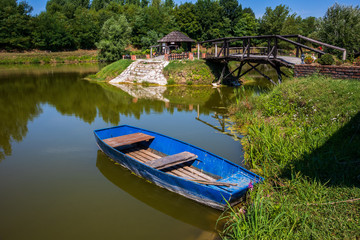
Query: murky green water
x=56, y=184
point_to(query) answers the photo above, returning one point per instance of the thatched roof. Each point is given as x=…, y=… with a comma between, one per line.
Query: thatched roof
x=175, y=36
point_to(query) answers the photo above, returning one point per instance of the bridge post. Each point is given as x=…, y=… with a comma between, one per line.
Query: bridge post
x=249, y=47
x=215, y=49
x=198, y=51
x=276, y=47
x=297, y=48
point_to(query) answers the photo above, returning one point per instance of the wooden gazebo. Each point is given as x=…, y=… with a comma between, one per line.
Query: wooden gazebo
x=175, y=40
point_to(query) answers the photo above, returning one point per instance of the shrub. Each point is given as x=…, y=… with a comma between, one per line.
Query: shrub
x=326, y=59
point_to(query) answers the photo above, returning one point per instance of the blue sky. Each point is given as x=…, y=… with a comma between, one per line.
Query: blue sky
x=304, y=8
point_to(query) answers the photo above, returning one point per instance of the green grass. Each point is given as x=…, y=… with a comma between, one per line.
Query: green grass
x=304, y=138
x=185, y=71
x=110, y=71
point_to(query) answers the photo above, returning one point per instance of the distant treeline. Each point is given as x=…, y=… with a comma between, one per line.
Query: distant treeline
x=77, y=24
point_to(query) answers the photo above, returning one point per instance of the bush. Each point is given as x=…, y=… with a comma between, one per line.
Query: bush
x=326, y=59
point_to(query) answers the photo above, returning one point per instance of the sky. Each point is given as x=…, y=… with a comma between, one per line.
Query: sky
x=304, y=8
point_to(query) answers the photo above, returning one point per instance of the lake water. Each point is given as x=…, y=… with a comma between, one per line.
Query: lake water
x=56, y=184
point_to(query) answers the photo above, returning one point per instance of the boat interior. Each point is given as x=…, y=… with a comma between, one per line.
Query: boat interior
x=179, y=165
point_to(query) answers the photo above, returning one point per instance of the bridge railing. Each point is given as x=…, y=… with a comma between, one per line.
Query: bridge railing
x=223, y=46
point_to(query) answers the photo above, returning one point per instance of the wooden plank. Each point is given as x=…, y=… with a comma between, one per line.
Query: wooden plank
x=151, y=154
x=215, y=183
x=172, y=160
x=141, y=159
x=127, y=139
x=189, y=174
x=203, y=175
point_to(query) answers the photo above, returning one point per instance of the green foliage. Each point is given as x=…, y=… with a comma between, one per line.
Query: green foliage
x=179, y=50
x=111, y=71
x=302, y=137
x=15, y=25
x=114, y=38
x=246, y=25
x=341, y=27
x=326, y=59
x=273, y=21
x=150, y=39
x=52, y=32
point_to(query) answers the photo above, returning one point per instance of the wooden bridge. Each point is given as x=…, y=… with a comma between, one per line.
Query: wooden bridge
x=245, y=50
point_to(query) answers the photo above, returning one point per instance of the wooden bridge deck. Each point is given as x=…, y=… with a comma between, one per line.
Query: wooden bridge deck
x=282, y=60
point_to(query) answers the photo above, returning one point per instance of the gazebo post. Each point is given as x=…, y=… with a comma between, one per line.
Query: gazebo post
x=198, y=51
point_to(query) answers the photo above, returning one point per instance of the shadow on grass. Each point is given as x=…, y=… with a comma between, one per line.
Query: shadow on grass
x=337, y=162
x=216, y=69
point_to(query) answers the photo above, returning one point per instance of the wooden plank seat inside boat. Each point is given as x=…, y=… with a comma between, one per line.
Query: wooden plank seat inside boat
x=147, y=156
x=172, y=160
x=127, y=139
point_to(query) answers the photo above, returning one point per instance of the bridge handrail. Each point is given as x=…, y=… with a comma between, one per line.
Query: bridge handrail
x=281, y=37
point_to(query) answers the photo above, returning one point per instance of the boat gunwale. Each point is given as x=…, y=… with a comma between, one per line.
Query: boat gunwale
x=257, y=177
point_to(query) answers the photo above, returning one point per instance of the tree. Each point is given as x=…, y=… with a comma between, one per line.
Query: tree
x=187, y=20
x=15, y=25
x=52, y=32
x=114, y=38
x=341, y=27
x=212, y=22
x=292, y=25
x=273, y=21
x=308, y=27
x=230, y=9
x=246, y=26
x=150, y=39
x=85, y=28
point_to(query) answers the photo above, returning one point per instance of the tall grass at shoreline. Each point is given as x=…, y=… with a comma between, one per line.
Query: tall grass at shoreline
x=304, y=138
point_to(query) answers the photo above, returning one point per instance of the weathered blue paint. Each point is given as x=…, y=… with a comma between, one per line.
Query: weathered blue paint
x=214, y=196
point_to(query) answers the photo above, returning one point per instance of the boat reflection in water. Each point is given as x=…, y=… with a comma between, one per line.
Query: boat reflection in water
x=167, y=202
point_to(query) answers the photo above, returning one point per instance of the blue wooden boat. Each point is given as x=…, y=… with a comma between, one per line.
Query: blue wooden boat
x=177, y=166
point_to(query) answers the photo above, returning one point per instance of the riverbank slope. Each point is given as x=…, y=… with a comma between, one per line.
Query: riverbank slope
x=180, y=72
x=304, y=138
x=44, y=57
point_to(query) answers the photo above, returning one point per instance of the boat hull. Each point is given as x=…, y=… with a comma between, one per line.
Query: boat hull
x=213, y=196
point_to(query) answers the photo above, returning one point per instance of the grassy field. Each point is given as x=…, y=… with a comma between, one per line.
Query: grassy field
x=304, y=138
x=196, y=72
x=110, y=71
x=34, y=57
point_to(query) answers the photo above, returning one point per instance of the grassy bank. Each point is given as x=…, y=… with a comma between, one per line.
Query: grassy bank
x=304, y=138
x=196, y=72
x=43, y=57
x=110, y=71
